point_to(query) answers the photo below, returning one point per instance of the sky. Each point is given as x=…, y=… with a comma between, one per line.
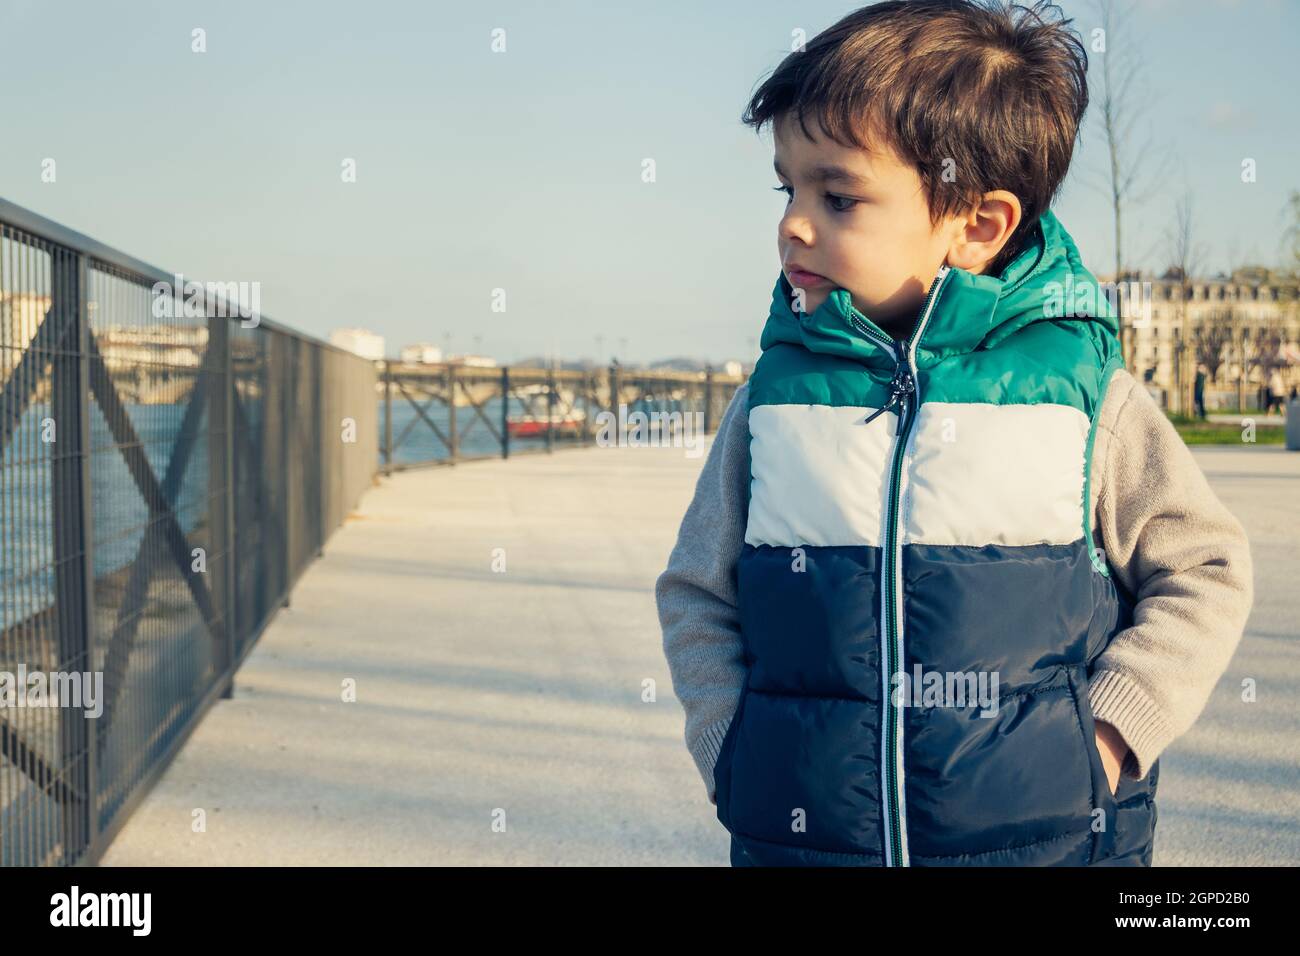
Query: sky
x=522, y=169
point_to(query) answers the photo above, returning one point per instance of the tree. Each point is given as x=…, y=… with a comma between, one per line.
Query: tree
x=1211, y=339
x=1291, y=233
x=1267, y=356
x=1121, y=104
x=1185, y=254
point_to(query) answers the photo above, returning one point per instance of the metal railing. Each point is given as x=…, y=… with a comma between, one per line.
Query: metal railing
x=440, y=414
x=163, y=484
x=165, y=481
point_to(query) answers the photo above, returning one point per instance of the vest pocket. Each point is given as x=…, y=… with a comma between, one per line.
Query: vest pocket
x=1103, y=841
x=722, y=767
x=1010, y=788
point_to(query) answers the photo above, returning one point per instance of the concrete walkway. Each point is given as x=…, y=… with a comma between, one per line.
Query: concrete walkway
x=1230, y=787
x=517, y=696
x=477, y=692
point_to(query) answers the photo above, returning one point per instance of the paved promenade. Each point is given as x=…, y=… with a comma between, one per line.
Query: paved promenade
x=499, y=716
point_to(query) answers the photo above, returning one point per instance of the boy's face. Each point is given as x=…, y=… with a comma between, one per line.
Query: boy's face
x=870, y=233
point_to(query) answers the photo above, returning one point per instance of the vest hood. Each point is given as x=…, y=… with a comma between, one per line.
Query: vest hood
x=1045, y=282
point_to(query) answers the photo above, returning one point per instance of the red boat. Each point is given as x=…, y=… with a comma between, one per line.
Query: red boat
x=534, y=426
x=531, y=425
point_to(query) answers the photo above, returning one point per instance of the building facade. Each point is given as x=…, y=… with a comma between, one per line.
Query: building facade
x=1239, y=328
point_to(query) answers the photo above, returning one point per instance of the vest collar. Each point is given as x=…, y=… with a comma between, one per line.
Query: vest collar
x=970, y=312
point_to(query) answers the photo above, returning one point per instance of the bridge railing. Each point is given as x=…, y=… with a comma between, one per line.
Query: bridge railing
x=443, y=413
x=166, y=474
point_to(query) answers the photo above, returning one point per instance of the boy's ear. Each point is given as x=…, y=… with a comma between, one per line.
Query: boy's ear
x=982, y=233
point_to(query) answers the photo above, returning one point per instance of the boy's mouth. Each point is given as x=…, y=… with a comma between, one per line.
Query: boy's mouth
x=802, y=279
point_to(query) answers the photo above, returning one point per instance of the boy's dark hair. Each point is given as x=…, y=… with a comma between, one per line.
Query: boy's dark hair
x=999, y=89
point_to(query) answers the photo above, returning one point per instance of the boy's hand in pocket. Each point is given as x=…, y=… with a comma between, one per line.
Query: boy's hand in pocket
x=1113, y=750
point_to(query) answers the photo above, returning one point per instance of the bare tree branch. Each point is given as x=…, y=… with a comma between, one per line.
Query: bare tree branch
x=1135, y=174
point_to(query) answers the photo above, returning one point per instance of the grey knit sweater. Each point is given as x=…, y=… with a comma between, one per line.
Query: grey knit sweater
x=1168, y=538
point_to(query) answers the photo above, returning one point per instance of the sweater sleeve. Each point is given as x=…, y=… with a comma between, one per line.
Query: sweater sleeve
x=1186, y=561
x=696, y=593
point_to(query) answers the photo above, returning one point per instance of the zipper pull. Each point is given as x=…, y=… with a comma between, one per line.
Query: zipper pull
x=893, y=400
x=900, y=387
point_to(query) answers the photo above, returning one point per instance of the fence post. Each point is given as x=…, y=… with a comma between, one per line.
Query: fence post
x=232, y=592
x=453, y=442
x=388, y=418
x=288, y=398
x=73, y=537
x=505, y=412
x=550, y=406
x=589, y=404
x=220, y=475
x=87, y=545
x=613, y=403
x=328, y=430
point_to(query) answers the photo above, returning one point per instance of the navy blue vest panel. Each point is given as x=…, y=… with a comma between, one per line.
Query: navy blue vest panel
x=1019, y=788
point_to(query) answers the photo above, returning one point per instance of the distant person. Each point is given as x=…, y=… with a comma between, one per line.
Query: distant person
x=1276, y=392
x=1149, y=383
x=1198, y=391
x=926, y=481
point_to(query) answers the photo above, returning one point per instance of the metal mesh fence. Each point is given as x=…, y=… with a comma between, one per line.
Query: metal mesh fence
x=165, y=476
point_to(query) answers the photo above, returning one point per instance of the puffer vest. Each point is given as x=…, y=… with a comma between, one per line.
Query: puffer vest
x=920, y=597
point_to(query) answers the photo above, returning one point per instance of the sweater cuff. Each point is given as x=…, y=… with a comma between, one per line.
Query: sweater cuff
x=1118, y=701
x=705, y=751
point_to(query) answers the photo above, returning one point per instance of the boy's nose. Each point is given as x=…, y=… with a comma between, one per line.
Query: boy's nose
x=795, y=226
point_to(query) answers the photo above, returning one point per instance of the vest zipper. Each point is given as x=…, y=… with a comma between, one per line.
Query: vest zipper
x=903, y=393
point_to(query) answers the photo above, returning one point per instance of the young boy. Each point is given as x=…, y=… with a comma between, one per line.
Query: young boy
x=950, y=582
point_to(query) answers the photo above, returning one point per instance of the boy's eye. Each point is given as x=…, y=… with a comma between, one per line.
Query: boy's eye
x=837, y=203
